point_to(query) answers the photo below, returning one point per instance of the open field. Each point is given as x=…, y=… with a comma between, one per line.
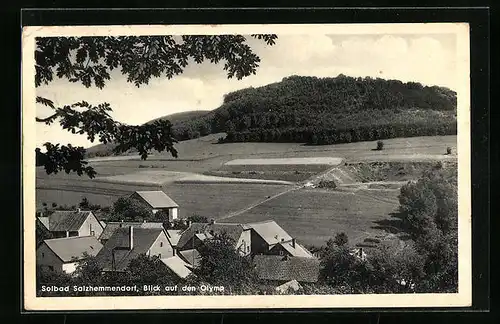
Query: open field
x=160, y=177
x=315, y=215
x=312, y=215
x=207, y=150
x=287, y=161
x=208, y=199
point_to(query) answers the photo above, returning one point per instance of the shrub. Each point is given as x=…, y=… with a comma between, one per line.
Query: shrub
x=448, y=150
x=327, y=184
x=380, y=145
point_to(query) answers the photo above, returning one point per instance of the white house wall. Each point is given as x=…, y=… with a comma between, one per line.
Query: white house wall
x=96, y=227
x=156, y=248
x=173, y=212
x=244, y=242
x=69, y=267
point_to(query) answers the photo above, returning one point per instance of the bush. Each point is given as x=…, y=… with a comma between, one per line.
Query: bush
x=380, y=145
x=327, y=184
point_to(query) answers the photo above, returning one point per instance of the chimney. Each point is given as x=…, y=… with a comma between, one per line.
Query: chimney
x=121, y=224
x=189, y=222
x=144, y=221
x=293, y=242
x=212, y=221
x=131, y=237
x=173, y=251
x=78, y=210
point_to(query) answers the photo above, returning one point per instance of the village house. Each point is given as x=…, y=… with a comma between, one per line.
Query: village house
x=192, y=257
x=157, y=201
x=269, y=238
x=278, y=270
x=111, y=227
x=178, y=266
x=71, y=223
x=196, y=233
x=63, y=254
x=127, y=243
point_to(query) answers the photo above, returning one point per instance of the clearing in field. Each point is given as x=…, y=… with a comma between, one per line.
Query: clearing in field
x=288, y=161
x=161, y=177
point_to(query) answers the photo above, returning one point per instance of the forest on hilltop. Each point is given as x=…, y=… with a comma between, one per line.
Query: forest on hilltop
x=334, y=110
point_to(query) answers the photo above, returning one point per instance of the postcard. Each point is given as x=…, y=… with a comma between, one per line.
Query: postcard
x=246, y=166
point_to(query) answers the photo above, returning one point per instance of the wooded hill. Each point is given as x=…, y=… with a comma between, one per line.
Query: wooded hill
x=327, y=111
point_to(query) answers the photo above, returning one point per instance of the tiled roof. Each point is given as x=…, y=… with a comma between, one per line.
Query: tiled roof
x=143, y=240
x=178, y=266
x=284, y=268
x=73, y=248
x=157, y=199
x=270, y=231
x=192, y=257
x=112, y=226
x=205, y=230
x=297, y=251
x=62, y=220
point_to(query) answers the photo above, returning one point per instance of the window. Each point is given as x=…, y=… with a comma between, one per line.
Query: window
x=161, y=244
x=43, y=255
x=281, y=252
x=248, y=249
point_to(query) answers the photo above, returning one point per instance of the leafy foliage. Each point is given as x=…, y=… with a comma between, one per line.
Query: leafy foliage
x=430, y=204
x=90, y=60
x=328, y=111
x=86, y=205
x=380, y=145
x=221, y=264
x=128, y=209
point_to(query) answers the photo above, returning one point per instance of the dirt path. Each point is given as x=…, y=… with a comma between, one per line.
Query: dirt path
x=244, y=210
x=294, y=188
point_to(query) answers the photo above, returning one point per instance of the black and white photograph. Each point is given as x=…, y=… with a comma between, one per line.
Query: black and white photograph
x=245, y=166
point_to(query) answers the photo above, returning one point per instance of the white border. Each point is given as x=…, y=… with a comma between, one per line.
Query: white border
x=462, y=298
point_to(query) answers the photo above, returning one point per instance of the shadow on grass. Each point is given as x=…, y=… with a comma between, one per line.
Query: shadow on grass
x=394, y=225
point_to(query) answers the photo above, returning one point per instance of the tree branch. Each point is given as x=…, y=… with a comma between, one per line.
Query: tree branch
x=47, y=119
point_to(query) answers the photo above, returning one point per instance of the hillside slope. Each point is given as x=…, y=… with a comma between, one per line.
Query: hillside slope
x=326, y=111
x=107, y=149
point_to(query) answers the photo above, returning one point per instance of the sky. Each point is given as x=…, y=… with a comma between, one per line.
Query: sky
x=429, y=59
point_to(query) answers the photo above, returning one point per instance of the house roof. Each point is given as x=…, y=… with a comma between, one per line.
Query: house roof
x=157, y=199
x=192, y=257
x=178, y=266
x=44, y=221
x=143, y=240
x=292, y=284
x=297, y=251
x=270, y=232
x=63, y=220
x=112, y=226
x=204, y=231
x=74, y=247
x=174, y=236
x=279, y=268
